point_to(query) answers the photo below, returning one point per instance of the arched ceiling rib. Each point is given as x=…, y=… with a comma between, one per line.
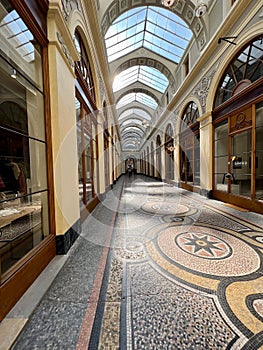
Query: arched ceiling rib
x=138, y=96
x=184, y=9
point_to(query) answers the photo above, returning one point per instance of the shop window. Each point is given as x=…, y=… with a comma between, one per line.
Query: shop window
x=23, y=174
x=83, y=66
x=259, y=153
x=238, y=130
x=87, y=153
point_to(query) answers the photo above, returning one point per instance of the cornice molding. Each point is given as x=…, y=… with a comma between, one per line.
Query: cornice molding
x=57, y=24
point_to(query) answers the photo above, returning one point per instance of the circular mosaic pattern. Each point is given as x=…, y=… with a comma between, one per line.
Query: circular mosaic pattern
x=258, y=307
x=203, y=245
x=165, y=208
x=224, y=255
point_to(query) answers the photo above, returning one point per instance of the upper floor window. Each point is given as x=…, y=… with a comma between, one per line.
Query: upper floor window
x=83, y=66
x=190, y=115
x=245, y=68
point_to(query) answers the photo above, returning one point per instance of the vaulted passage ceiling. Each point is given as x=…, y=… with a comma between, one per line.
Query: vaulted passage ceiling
x=144, y=45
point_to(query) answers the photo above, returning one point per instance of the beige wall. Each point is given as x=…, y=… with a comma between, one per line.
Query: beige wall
x=64, y=134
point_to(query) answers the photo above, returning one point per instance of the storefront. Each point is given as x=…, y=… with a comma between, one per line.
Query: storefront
x=238, y=130
x=26, y=242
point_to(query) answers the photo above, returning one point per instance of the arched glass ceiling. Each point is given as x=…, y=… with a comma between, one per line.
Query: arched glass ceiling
x=138, y=97
x=132, y=128
x=157, y=29
x=130, y=145
x=132, y=121
x=147, y=75
x=135, y=112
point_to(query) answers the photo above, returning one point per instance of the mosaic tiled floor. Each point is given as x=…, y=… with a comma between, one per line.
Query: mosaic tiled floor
x=182, y=272
x=190, y=274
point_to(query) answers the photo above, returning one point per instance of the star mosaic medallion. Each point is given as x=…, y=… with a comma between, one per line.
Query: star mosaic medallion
x=203, y=245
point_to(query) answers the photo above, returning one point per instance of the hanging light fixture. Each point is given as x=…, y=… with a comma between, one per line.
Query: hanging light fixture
x=169, y=3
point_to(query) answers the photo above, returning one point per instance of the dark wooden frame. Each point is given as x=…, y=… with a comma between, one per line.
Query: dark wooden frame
x=247, y=98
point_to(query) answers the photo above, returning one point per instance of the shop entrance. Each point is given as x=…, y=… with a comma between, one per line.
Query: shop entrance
x=238, y=155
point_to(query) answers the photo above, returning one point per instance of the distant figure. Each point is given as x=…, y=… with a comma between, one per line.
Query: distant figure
x=129, y=170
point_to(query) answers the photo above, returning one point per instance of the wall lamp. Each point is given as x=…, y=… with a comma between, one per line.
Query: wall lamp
x=21, y=82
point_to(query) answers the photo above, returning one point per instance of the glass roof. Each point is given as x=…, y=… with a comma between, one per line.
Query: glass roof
x=154, y=28
x=147, y=75
x=15, y=30
x=132, y=128
x=135, y=112
x=132, y=121
x=138, y=97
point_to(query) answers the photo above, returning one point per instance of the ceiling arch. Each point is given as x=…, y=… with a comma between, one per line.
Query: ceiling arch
x=134, y=112
x=184, y=9
x=131, y=125
x=142, y=36
x=150, y=62
x=148, y=76
x=138, y=91
x=148, y=27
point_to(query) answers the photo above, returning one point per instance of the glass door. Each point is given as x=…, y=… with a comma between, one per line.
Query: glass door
x=259, y=153
x=239, y=176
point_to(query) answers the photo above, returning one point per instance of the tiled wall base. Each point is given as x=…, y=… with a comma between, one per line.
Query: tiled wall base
x=65, y=242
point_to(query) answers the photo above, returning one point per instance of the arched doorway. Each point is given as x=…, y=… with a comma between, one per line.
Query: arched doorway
x=190, y=148
x=238, y=130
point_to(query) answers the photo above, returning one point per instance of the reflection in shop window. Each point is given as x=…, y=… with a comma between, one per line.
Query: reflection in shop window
x=259, y=151
x=23, y=179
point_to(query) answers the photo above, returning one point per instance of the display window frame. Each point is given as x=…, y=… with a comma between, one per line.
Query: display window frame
x=20, y=275
x=85, y=94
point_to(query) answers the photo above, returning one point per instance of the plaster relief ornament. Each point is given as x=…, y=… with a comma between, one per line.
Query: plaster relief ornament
x=70, y=5
x=202, y=88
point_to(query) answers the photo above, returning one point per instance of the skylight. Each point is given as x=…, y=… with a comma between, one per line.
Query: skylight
x=135, y=129
x=156, y=29
x=147, y=75
x=137, y=97
x=132, y=121
x=135, y=112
